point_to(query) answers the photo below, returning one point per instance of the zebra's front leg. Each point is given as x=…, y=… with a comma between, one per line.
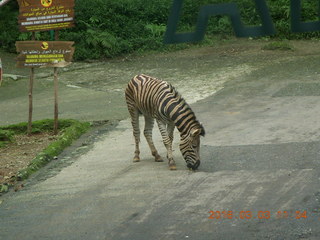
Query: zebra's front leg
x=167, y=136
x=170, y=129
x=148, y=134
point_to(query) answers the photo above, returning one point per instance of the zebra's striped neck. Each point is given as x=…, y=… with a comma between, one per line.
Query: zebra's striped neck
x=182, y=115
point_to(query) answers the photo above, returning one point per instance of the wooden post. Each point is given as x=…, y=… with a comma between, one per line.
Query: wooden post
x=31, y=94
x=56, y=110
x=56, y=86
x=30, y=101
x=56, y=35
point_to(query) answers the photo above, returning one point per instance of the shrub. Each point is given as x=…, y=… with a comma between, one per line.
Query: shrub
x=109, y=28
x=6, y=136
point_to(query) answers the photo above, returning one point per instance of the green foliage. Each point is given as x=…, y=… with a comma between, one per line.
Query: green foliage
x=109, y=28
x=278, y=45
x=4, y=188
x=9, y=32
x=280, y=13
x=37, y=126
x=6, y=136
x=156, y=30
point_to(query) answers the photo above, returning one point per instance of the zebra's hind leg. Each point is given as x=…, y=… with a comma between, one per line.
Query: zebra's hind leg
x=148, y=134
x=167, y=136
x=136, y=132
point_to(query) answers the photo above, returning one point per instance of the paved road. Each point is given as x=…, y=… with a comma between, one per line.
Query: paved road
x=260, y=171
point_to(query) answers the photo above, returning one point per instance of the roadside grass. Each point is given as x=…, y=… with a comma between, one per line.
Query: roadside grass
x=278, y=45
x=69, y=130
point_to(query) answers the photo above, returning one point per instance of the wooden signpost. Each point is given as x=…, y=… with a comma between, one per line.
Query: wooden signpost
x=35, y=54
x=44, y=15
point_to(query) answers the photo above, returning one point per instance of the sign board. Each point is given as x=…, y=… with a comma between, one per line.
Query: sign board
x=44, y=53
x=43, y=15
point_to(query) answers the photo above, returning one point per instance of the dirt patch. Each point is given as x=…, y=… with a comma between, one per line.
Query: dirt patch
x=17, y=155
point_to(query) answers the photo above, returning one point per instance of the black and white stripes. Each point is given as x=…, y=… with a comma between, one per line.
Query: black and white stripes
x=157, y=99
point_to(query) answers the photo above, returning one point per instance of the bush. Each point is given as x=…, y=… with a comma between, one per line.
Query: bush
x=9, y=26
x=109, y=28
x=112, y=28
x=6, y=136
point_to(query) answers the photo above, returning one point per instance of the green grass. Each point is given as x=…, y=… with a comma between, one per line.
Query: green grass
x=278, y=45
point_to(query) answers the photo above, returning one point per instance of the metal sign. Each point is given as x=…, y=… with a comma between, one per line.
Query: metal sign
x=232, y=10
x=44, y=53
x=43, y=15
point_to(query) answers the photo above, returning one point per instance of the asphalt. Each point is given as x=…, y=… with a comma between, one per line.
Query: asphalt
x=259, y=177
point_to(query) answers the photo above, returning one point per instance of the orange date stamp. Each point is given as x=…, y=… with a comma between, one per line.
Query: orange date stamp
x=257, y=215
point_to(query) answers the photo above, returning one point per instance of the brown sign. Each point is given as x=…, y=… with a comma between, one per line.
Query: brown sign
x=44, y=53
x=43, y=15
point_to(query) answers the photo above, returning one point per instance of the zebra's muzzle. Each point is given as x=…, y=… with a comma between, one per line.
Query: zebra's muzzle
x=193, y=166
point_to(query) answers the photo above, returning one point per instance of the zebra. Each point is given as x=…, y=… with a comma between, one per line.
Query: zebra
x=157, y=99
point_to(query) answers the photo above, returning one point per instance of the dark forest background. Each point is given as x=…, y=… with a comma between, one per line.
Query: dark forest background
x=110, y=28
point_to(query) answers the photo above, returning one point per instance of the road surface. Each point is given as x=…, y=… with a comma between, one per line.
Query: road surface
x=259, y=177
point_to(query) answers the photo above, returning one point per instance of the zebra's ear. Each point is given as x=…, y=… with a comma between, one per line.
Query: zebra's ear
x=203, y=132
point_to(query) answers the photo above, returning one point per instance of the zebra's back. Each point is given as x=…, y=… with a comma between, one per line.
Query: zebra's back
x=148, y=95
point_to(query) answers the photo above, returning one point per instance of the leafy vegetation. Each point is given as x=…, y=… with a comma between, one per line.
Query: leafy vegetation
x=9, y=32
x=6, y=136
x=38, y=126
x=278, y=45
x=109, y=28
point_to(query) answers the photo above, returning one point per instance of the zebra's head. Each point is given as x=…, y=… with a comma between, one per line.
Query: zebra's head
x=190, y=147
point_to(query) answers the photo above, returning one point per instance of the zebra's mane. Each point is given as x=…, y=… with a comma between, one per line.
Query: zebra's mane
x=181, y=107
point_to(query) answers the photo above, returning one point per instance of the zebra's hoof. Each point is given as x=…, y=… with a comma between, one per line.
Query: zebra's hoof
x=158, y=159
x=136, y=159
x=172, y=167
